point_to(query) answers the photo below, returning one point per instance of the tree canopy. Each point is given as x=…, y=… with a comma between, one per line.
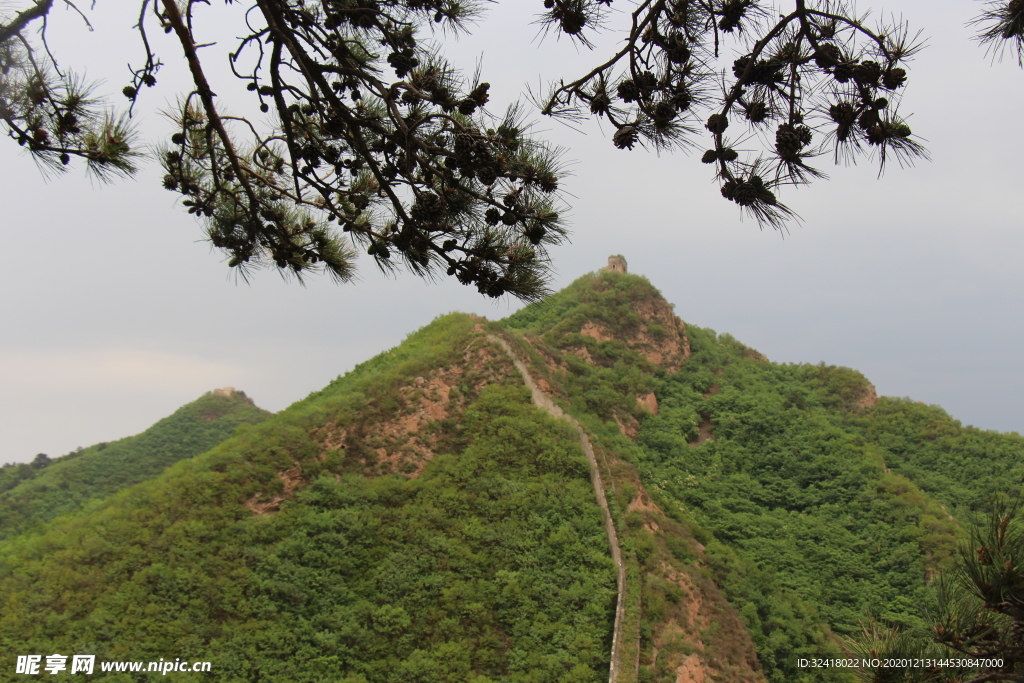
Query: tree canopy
x=367, y=138
x=976, y=630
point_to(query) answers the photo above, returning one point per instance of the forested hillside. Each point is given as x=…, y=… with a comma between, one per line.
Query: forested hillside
x=34, y=493
x=420, y=519
x=417, y=520
x=819, y=504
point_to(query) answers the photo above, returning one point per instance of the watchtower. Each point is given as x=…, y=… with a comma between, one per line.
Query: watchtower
x=616, y=264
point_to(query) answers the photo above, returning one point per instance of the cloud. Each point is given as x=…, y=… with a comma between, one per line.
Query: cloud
x=110, y=368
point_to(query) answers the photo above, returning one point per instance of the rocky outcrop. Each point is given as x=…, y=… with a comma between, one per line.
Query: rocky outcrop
x=261, y=503
x=660, y=336
x=700, y=637
x=402, y=440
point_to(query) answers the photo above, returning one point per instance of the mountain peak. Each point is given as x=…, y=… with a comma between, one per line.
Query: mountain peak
x=232, y=393
x=609, y=306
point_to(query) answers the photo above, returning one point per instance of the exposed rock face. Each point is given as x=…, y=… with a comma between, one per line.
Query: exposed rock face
x=404, y=439
x=260, y=504
x=628, y=426
x=868, y=398
x=648, y=402
x=661, y=337
x=691, y=670
x=700, y=637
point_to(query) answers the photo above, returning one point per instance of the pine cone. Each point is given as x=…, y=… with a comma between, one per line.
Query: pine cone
x=790, y=139
x=745, y=194
x=479, y=94
x=732, y=14
x=757, y=112
x=868, y=119
x=717, y=123
x=463, y=146
x=401, y=62
x=867, y=73
x=765, y=72
x=681, y=98
x=425, y=80
x=535, y=233
x=625, y=137
x=663, y=113
x=748, y=192
x=843, y=72
x=843, y=113
x=647, y=81
x=676, y=48
x=428, y=207
x=548, y=182
x=827, y=55
x=572, y=21
x=628, y=91
x=740, y=65
x=600, y=103
x=894, y=78
x=487, y=175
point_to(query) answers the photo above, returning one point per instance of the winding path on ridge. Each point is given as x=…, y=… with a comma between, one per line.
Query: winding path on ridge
x=544, y=402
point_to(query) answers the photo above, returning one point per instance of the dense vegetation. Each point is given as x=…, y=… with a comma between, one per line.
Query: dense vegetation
x=419, y=520
x=962, y=467
x=782, y=482
x=490, y=566
x=806, y=489
x=35, y=493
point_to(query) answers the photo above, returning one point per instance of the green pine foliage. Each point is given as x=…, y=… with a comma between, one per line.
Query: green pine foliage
x=35, y=493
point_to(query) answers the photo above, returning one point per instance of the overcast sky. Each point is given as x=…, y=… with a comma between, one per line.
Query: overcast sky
x=113, y=314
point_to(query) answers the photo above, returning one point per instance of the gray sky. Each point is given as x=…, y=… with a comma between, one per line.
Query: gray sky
x=112, y=314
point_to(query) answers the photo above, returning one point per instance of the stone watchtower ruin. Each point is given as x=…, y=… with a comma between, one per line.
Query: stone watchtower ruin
x=616, y=264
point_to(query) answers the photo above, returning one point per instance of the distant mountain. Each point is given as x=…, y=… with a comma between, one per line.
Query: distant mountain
x=32, y=494
x=589, y=487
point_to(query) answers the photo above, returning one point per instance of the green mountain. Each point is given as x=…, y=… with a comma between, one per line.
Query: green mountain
x=588, y=485
x=35, y=493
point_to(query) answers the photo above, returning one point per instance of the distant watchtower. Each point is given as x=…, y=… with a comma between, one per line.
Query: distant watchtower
x=616, y=264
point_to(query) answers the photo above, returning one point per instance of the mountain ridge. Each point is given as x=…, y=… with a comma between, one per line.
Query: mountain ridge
x=64, y=484
x=421, y=518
